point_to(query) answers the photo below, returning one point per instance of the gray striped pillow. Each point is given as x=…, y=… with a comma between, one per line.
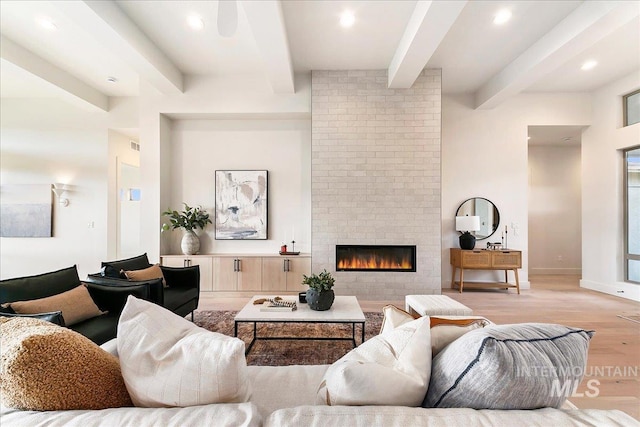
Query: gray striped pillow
x=520, y=366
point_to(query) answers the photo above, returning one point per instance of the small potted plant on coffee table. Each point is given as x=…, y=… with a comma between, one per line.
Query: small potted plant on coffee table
x=320, y=296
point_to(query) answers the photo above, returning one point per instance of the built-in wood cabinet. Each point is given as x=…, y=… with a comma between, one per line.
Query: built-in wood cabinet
x=237, y=273
x=206, y=282
x=285, y=273
x=246, y=274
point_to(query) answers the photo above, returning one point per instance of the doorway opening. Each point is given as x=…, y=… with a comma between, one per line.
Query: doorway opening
x=555, y=201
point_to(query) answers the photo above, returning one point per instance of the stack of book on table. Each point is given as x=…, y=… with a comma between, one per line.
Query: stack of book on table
x=278, y=304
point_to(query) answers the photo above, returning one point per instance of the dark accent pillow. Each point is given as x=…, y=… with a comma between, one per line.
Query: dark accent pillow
x=117, y=268
x=54, y=317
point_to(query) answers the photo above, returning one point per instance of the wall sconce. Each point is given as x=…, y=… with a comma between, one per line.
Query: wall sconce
x=59, y=190
x=467, y=224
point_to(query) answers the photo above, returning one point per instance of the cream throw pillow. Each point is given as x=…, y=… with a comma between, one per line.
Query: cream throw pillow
x=76, y=305
x=46, y=367
x=394, y=317
x=389, y=369
x=168, y=361
x=444, y=329
x=153, y=272
x=447, y=329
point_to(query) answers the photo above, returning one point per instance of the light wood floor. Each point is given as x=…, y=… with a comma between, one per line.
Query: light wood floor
x=555, y=299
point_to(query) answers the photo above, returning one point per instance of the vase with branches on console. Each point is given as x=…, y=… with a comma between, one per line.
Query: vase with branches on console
x=190, y=218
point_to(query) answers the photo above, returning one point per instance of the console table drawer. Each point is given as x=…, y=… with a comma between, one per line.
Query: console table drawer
x=506, y=260
x=476, y=259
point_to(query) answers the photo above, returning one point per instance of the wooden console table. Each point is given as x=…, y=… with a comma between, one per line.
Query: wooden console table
x=478, y=259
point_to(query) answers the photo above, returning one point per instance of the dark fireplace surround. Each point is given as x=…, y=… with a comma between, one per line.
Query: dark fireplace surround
x=397, y=258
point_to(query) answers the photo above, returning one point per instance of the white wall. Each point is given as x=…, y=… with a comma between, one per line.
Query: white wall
x=200, y=147
x=44, y=142
x=484, y=154
x=242, y=98
x=602, y=207
x=555, y=210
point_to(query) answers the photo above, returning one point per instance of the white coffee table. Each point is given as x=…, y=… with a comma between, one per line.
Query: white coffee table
x=345, y=309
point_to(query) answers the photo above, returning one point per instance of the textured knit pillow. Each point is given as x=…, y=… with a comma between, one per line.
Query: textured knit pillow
x=47, y=368
x=388, y=369
x=153, y=272
x=521, y=366
x=168, y=361
x=76, y=305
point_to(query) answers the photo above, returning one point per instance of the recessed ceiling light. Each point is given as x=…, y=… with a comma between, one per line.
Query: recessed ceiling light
x=502, y=16
x=589, y=65
x=47, y=23
x=195, y=22
x=347, y=19
x=112, y=79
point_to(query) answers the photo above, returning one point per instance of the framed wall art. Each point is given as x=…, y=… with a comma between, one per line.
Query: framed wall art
x=241, y=204
x=26, y=211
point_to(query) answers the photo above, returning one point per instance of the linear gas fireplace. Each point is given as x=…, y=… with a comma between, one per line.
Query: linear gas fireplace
x=375, y=258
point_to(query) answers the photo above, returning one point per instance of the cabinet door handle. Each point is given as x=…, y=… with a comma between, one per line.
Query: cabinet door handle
x=285, y=265
x=239, y=264
x=235, y=265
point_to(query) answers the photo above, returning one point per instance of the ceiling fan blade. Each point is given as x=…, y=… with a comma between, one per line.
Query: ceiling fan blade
x=227, y=17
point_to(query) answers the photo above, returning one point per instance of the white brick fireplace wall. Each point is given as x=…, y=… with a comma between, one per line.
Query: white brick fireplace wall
x=376, y=176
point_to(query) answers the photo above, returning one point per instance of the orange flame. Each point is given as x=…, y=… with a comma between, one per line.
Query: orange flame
x=373, y=262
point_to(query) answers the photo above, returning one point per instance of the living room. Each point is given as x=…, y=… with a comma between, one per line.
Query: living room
x=240, y=119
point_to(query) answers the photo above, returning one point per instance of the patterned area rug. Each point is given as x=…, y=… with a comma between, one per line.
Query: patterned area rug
x=290, y=352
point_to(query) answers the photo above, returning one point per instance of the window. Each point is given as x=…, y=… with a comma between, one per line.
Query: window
x=632, y=214
x=631, y=108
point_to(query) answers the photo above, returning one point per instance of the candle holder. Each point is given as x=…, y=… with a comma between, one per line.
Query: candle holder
x=284, y=251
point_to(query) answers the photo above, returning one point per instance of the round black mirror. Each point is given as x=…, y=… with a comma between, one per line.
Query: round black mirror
x=486, y=210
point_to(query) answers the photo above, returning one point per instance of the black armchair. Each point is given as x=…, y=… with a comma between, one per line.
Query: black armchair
x=180, y=295
x=108, y=298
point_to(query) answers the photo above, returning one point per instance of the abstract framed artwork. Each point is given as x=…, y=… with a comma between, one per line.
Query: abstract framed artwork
x=241, y=204
x=26, y=211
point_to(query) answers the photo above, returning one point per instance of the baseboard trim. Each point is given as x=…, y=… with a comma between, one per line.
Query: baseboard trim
x=556, y=271
x=618, y=289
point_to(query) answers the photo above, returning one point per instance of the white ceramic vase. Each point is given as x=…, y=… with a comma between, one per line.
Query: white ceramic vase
x=190, y=243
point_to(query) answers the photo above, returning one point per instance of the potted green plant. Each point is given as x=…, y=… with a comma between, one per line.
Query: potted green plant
x=190, y=218
x=320, y=296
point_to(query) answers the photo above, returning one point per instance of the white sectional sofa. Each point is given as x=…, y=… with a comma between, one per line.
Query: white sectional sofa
x=285, y=396
x=157, y=350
